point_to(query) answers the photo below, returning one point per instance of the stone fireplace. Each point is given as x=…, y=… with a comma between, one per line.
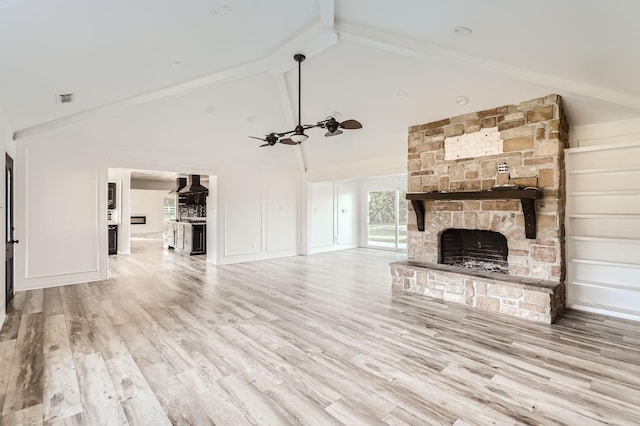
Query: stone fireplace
x=487, y=198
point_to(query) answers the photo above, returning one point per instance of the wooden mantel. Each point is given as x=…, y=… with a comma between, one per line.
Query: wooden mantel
x=526, y=197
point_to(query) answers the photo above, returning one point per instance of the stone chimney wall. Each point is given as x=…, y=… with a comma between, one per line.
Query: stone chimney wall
x=462, y=154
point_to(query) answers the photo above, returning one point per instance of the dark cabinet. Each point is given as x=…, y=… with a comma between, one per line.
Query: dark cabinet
x=199, y=239
x=113, y=239
x=111, y=203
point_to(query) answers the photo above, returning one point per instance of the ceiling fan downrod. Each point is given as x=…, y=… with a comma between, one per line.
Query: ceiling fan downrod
x=297, y=135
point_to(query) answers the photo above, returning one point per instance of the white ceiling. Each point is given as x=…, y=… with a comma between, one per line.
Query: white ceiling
x=237, y=76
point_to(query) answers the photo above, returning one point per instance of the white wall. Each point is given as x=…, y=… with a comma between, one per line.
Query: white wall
x=603, y=219
x=67, y=182
x=348, y=213
x=281, y=196
x=334, y=214
x=373, y=167
x=60, y=217
x=149, y=203
x=258, y=217
x=321, y=216
x=617, y=132
x=337, y=210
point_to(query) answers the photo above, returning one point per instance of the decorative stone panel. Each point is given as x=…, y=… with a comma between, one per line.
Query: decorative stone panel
x=470, y=145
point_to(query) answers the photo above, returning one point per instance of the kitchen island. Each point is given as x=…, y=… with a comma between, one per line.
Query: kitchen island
x=187, y=237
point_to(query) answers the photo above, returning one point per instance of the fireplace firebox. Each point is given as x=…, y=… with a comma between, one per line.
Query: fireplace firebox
x=474, y=249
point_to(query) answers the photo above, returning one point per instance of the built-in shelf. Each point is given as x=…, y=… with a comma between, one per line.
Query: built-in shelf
x=526, y=197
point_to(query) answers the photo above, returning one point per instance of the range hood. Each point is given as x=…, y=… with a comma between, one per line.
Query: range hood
x=180, y=183
x=194, y=187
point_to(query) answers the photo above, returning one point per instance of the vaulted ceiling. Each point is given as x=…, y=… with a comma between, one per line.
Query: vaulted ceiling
x=203, y=75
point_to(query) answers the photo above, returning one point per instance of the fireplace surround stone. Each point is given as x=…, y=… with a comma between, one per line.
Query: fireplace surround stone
x=463, y=154
x=527, y=298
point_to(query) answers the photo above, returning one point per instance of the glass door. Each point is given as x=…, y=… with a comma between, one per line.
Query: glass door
x=387, y=220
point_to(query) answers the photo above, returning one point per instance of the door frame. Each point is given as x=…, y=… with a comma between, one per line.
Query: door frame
x=9, y=273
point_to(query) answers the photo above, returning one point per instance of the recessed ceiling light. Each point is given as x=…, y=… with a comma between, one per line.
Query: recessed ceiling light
x=174, y=64
x=462, y=30
x=401, y=93
x=220, y=10
x=210, y=109
x=251, y=118
x=462, y=100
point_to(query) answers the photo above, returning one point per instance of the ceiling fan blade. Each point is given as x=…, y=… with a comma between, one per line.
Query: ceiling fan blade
x=254, y=137
x=287, y=141
x=336, y=133
x=264, y=144
x=351, y=124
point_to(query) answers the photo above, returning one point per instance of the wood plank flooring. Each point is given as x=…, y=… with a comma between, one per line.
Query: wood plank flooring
x=304, y=340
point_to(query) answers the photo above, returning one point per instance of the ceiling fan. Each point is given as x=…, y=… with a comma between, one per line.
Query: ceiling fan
x=298, y=136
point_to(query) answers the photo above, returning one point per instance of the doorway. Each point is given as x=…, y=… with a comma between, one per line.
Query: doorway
x=9, y=254
x=387, y=219
x=152, y=213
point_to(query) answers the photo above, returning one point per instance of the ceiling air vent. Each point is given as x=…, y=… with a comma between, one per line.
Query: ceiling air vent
x=64, y=98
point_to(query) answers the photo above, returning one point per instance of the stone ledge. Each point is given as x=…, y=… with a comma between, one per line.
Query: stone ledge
x=528, y=298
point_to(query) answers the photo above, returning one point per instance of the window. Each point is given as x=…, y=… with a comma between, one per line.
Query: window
x=169, y=208
x=387, y=219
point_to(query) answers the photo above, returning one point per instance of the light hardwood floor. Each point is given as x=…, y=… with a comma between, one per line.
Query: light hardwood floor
x=305, y=340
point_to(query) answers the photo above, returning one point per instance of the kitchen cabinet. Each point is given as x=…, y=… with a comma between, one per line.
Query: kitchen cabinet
x=185, y=238
x=113, y=239
x=179, y=233
x=111, y=200
x=199, y=239
x=168, y=234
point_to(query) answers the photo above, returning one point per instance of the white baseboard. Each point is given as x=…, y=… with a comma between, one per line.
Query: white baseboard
x=227, y=260
x=59, y=280
x=602, y=311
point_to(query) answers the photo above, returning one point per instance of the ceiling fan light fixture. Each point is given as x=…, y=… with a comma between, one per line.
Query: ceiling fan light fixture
x=336, y=133
x=332, y=125
x=299, y=138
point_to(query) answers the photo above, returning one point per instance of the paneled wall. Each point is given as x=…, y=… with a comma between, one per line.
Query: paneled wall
x=260, y=215
x=60, y=217
x=334, y=215
x=338, y=210
x=603, y=228
x=321, y=215
x=62, y=211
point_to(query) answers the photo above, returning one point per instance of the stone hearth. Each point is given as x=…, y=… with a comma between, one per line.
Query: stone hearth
x=465, y=153
x=527, y=298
